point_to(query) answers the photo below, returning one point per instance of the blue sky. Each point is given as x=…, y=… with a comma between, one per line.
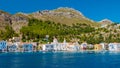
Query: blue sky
x=93, y=9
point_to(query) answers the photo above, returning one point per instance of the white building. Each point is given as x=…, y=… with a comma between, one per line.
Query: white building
x=48, y=47
x=55, y=46
x=90, y=46
x=73, y=47
x=114, y=46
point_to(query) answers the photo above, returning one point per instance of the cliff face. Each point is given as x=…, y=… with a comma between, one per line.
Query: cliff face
x=19, y=20
x=15, y=21
x=4, y=19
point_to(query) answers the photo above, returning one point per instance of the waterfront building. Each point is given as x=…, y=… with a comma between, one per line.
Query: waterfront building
x=118, y=47
x=104, y=46
x=97, y=47
x=3, y=46
x=21, y=49
x=60, y=46
x=83, y=46
x=27, y=47
x=63, y=46
x=48, y=47
x=114, y=47
x=55, y=46
x=34, y=46
x=90, y=46
x=13, y=47
x=73, y=47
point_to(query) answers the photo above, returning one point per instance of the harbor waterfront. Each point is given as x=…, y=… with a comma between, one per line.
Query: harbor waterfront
x=60, y=60
x=59, y=55
x=57, y=46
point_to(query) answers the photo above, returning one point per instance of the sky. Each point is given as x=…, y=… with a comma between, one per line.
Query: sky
x=93, y=9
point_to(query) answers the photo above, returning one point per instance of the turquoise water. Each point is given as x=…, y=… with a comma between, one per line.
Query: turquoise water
x=60, y=60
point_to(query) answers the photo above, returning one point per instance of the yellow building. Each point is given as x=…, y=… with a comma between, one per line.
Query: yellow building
x=97, y=47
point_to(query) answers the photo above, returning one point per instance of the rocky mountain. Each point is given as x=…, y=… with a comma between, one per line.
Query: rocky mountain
x=19, y=20
x=4, y=19
x=65, y=15
x=16, y=21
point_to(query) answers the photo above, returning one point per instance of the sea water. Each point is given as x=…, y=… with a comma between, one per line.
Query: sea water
x=60, y=60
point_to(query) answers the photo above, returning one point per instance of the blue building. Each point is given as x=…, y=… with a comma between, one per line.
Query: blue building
x=27, y=47
x=3, y=46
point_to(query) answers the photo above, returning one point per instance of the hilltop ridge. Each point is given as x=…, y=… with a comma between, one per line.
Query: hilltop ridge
x=62, y=15
x=65, y=15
